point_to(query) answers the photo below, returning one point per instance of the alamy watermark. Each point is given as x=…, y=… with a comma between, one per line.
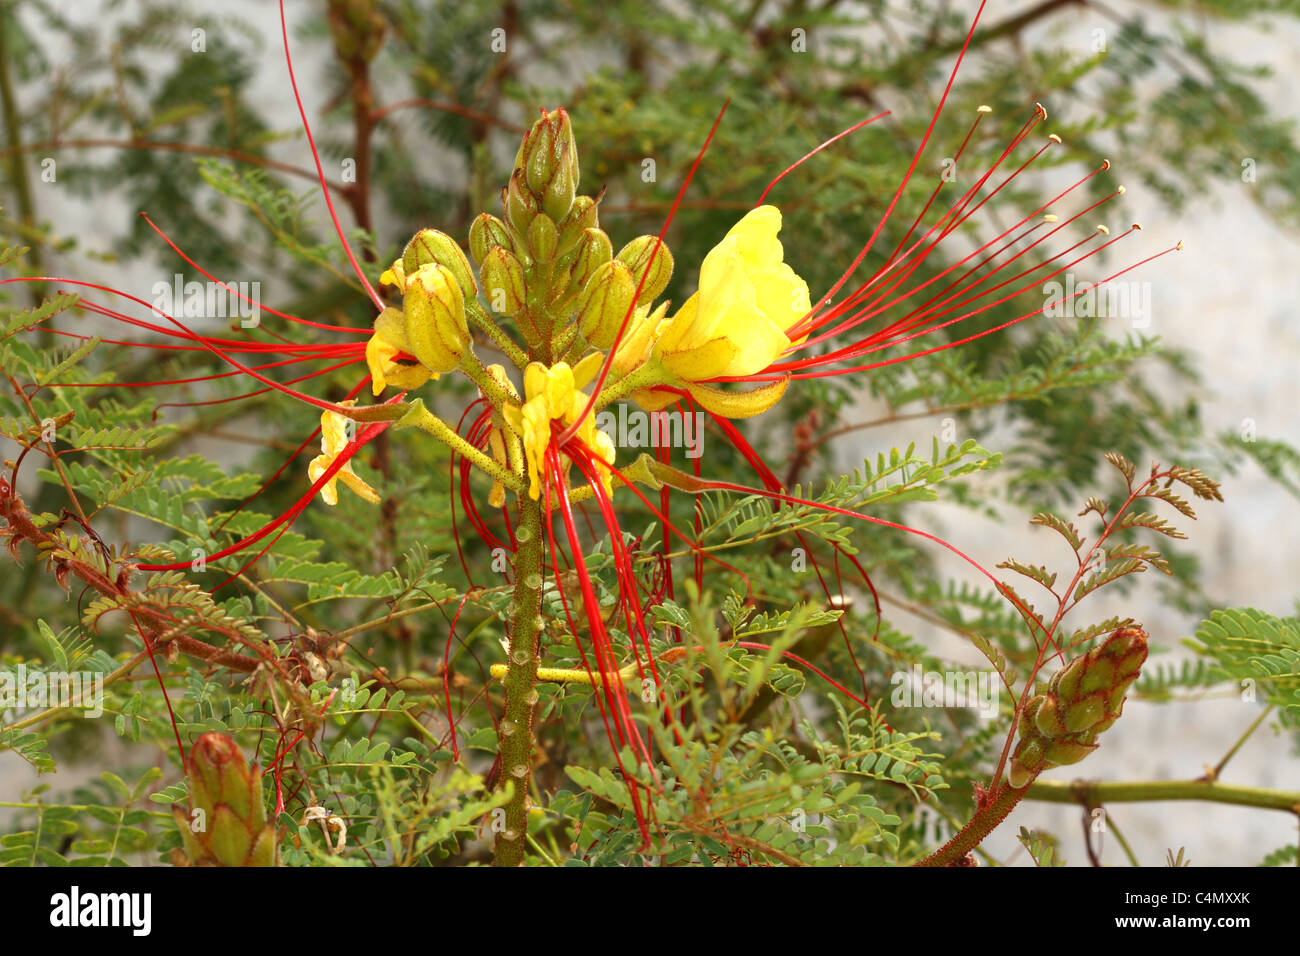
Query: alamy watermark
x=634, y=428
x=22, y=689
x=977, y=690
x=1072, y=299
x=209, y=300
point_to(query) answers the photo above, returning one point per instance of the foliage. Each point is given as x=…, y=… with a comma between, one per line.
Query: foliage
x=329, y=652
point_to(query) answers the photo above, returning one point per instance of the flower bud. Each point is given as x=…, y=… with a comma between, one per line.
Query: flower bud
x=357, y=28
x=542, y=238
x=227, y=823
x=593, y=252
x=641, y=257
x=436, y=329
x=582, y=216
x=521, y=205
x=430, y=245
x=503, y=281
x=1082, y=700
x=548, y=158
x=389, y=356
x=604, y=302
x=486, y=233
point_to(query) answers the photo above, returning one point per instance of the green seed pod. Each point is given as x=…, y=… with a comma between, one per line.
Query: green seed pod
x=504, y=284
x=604, y=302
x=641, y=257
x=486, y=233
x=430, y=245
x=434, y=307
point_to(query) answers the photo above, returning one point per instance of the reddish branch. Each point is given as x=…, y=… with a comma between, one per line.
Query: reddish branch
x=164, y=629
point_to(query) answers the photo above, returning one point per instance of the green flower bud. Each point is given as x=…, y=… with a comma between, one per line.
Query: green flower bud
x=549, y=160
x=542, y=238
x=1085, y=698
x=1065, y=751
x=486, y=233
x=503, y=281
x=1085, y=714
x=582, y=216
x=1048, y=718
x=593, y=252
x=604, y=302
x=430, y=245
x=521, y=206
x=641, y=257
x=434, y=307
x=1027, y=762
x=227, y=823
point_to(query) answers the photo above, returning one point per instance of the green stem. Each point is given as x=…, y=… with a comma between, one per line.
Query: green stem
x=483, y=322
x=1218, y=768
x=646, y=376
x=516, y=728
x=490, y=387
x=1149, y=791
x=420, y=417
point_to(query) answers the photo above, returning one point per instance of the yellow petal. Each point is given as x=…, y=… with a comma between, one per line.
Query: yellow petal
x=654, y=399
x=702, y=362
x=585, y=372
x=317, y=468
x=739, y=404
x=355, y=482
x=378, y=354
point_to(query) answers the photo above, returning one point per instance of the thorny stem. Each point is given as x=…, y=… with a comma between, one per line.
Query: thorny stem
x=516, y=728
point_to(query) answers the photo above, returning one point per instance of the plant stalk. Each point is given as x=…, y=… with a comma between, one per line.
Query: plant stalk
x=516, y=728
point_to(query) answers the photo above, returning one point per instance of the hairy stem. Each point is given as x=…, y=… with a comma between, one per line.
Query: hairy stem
x=970, y=836
x=516, y=728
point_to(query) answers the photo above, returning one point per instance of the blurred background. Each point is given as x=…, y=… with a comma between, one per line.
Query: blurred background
x=110, y=109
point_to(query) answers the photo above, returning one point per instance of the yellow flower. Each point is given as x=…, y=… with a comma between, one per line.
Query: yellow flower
x=333, y=442
x=552, y=399
x=382, y=350
x=748, y=299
